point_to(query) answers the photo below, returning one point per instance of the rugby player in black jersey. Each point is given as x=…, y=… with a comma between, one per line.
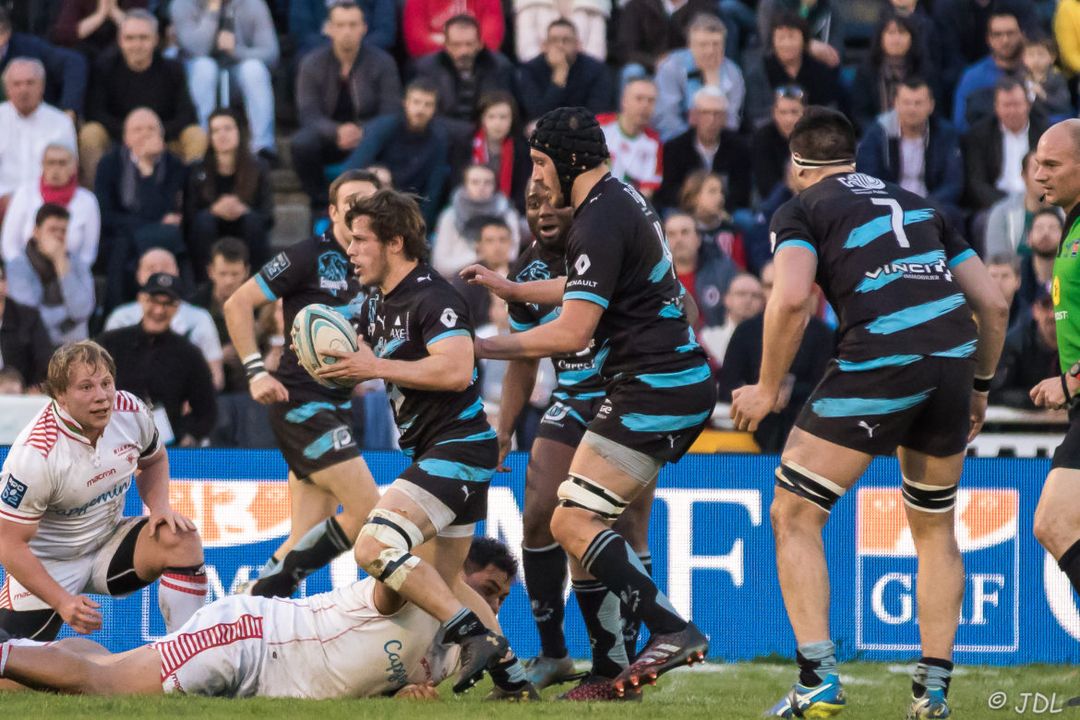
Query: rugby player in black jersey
x=575, y=402
x=911, y=375
x=311, y=421
x=418, y=338
x=621, y=298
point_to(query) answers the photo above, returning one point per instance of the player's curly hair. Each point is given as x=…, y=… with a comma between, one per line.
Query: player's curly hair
x=486, y=551
x=61, y=362
x=393, y=214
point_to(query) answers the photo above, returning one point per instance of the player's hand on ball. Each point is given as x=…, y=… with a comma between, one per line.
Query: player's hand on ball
x=1049, y=394
x=749, y=406
x=81, y=613
x=174, y=520
x=358, y=366
x=426, y=691
x=493, y=281
x=267, y=389
x=978, y=413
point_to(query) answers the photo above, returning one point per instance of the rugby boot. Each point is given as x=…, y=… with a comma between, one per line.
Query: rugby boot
x=663, y=653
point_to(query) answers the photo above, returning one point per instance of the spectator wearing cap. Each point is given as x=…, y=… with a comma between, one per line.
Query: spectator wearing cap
x=563, y=76
x=1006, y=40
x=164, y=368
x=633, y=144
x=229, y=46
x=48, y=277
x=190, y=321
x=24, y=341
x=65, y=73
x=307, y=22
x=1030, y=355
x=339, y=88
x=702, y=64
x=59, y=185
x=709, y=145
x=413, y=144
x=769, y=144
x=134, y=75
x=27, y=126
x=90, y=26
x=423, y=22
x=140, y=187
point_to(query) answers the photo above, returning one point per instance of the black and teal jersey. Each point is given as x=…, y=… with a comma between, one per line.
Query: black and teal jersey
x=884, y=260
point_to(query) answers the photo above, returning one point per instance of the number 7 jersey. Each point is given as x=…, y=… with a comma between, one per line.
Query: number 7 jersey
x=885, y=258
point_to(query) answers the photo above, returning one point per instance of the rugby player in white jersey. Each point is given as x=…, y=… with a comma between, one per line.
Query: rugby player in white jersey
x=62, y=529
x=344, y=643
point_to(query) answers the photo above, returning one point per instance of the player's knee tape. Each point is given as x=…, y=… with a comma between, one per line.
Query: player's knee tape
x=928, y=498
x=580, y=492
x=393, y=529
x=808, y=485
x=643, y=468
x=392, y=567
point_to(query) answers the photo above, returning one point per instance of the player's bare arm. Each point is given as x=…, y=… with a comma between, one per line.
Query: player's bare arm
x=571, y=332
x=992, y=317
x=786, y=316
x=239, y=312
x=518, y=383
x=78, y=611
x=153, y=483
x=540, y=292
x=449, y=366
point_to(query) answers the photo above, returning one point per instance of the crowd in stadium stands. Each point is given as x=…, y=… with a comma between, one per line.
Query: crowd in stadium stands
x=141, y=142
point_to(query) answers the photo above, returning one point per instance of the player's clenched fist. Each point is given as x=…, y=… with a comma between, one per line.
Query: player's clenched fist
x=266, y=389
x=750, y=404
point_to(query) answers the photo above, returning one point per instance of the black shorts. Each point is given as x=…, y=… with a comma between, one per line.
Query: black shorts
x=457, y=473
x=313, y=435
x=924, y=406
x=1067, y=454
x=658, y=414
x=567, y=420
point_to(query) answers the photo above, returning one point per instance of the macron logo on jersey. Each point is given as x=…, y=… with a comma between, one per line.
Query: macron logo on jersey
x=13, y=492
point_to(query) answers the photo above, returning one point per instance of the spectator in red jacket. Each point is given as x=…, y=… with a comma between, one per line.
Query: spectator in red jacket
x=423, y=23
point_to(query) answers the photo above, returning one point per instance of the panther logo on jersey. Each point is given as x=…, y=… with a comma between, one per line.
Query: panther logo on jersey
x=536, y=270
x=861, y=183
x=333, y=271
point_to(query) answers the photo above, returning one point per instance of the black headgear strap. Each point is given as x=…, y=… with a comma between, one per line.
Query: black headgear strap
x=572, y=138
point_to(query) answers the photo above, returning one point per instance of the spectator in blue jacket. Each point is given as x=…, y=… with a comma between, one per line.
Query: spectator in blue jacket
x=307, y=18
x=975, y=91
x=413, y=145
x=65, y=70
x=563, y=75
x=912, y=147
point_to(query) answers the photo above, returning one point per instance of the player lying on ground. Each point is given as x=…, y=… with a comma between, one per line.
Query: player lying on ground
x=906, y=287
x=356, y=641
x=62, y=529
x=613, y=635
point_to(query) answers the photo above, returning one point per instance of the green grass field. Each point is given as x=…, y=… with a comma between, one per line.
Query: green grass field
x=723, y=692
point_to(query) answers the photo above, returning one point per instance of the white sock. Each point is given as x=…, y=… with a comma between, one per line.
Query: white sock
x=5, y=648
x=179, y=597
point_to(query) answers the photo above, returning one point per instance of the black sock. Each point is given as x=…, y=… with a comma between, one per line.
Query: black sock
x=1070, y=565
x=545, y=581
x=611, y=561
x=632, y=625
x=317, y=548
x=601, y=611
x=463, y=625
x=931, y=672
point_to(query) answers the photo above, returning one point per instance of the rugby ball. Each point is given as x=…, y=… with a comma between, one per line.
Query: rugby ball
x=316, y=329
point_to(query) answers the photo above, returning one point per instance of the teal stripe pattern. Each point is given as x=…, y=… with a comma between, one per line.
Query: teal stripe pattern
x=455, y=471
x=691, y=343
x=671, y=311
x=881, y=362
x=691, y=376
x=307, y=411
x=640, y=422
x=960, y=351
x=588, y=296
x=519, y=326
x=660, y=270
x=270, y=295
x=448, y=334
x=915, y=315
x=387, y=349
x=475, y=437
x=855, y=407
x=472, y=411
x=796, y=243
x=967, y=254
x=322, y=445
x=869, y=284
x=879, y=227
x=560, y=395
x=551, y=316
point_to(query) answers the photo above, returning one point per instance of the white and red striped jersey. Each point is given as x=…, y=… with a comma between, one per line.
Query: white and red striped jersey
x=639, y=160
x=72, y=490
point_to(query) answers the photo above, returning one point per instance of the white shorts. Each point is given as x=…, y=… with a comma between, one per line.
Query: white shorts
x=330, y=645
x=86, y=574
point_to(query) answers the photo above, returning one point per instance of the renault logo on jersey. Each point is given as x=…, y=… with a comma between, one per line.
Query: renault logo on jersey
x=448, y=318
x=582, y=264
